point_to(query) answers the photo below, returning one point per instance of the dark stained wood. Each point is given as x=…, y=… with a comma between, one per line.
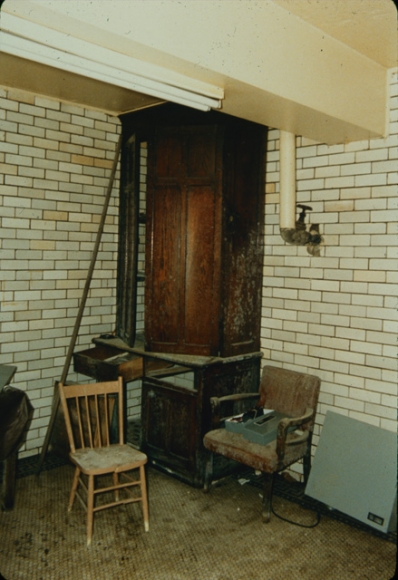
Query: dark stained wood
x=105, y=363
x=181, y=273
x=204, y=246
x=170, y=425
x=203, y=269
x=128, y=243
x=243, y=237
x=175, y=419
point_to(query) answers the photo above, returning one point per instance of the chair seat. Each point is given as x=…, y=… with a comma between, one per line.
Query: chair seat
x=261, y=457
x=116, y=458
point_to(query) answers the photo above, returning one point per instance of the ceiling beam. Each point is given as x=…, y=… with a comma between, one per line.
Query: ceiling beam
x=256, y=60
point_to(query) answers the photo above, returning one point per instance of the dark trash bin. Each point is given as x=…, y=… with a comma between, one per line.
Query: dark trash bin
x=15, y=414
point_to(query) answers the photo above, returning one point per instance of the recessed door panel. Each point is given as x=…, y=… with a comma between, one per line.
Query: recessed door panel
x=162, y=310
x=201, y=153
x=170, y=424
x=201, y=290
x=169, y=155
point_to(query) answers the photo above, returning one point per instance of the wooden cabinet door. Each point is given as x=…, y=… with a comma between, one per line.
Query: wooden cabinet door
x=183, y=241
x=242, y=264
x=170, y=425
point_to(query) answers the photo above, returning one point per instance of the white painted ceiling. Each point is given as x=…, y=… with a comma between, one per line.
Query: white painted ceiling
x=318, y=68
x=366, y=25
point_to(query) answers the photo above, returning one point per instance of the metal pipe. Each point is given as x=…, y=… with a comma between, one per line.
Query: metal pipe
x=287, y=160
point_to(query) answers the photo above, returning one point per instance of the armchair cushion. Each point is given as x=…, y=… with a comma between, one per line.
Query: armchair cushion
x=261, y=457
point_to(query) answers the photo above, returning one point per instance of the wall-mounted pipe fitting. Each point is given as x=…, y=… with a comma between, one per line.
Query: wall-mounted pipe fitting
x=299, y=235
x=293, y=231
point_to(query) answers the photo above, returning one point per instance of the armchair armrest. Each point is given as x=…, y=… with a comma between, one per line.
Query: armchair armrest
x=283, y=427
x=216, y=401
x=216, y=404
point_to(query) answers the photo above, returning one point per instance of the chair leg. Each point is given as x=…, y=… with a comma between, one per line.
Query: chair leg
x=208, y=472
x=90, y=508
x=267, y=496
x=75, y=485
x=144, y=497
x=307, y=465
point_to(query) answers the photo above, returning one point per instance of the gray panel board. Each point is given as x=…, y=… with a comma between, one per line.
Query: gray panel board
x=355, y=471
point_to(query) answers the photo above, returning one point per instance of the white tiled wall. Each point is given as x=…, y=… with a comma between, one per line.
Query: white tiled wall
x=334, y=315
x=55, y=161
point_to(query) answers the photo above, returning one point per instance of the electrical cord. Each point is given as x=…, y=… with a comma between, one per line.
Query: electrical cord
x=296, y=523
x=318, y=514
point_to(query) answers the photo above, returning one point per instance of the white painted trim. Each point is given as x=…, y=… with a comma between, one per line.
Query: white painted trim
x=37, y=43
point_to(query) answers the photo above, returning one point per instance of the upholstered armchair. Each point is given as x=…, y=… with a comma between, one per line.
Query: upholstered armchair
x=291, y=394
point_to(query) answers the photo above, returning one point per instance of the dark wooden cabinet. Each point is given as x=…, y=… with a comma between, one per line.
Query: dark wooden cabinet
x=204, y=223
x=203, y=178
x=175, y=418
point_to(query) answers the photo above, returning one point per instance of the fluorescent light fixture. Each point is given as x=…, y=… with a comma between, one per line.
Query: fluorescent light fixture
x=34, y=42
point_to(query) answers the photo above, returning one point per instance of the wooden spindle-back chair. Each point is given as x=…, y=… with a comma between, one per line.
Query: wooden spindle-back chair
x=94, y=423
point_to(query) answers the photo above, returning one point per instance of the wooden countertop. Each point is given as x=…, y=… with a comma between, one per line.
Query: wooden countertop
x=180, y=359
